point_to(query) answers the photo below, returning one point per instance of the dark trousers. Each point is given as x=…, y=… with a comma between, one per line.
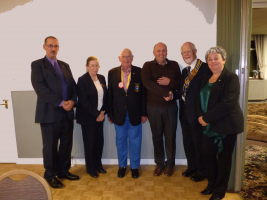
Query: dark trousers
x=218, y=168
x=57, y=159
x=192, y=139
x=93, y=141
x=163, y=121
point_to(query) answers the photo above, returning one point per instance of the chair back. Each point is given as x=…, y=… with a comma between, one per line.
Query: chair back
x=30, y=188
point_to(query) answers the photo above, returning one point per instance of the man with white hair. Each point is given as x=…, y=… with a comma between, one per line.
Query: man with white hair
x=127, y=109
x=192, y=130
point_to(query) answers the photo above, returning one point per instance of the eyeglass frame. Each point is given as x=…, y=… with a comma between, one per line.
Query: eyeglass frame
x=51, y=46
x=188, y=52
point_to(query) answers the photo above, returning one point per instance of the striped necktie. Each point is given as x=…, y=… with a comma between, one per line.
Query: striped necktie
x=188, y=70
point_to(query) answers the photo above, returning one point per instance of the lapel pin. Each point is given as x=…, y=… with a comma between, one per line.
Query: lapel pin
x=120, y=85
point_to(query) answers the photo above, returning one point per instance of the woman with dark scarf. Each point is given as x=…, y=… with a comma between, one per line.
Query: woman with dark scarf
x=222, y=119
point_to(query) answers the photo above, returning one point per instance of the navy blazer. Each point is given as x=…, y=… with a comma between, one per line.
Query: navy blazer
x=88, y=98
x=48, y=87
x=193, y=90
x=224, y=113
x=120, y=102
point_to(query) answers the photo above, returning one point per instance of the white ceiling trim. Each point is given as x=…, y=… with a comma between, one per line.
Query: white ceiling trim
x=259, y=4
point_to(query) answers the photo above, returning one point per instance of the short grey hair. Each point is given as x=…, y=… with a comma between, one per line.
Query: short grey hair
x=218, y=50
x=192, y=45
x=126, y=49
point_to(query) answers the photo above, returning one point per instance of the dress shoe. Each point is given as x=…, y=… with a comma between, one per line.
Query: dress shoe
x=55, y=183
x=93, y=174
x=121, y=172
x=206, y=192
x=188, y=173
x=102, y=171
x=70, y=177
x=215, y=198
x=197, y=178
x=168, y=172
x=157, y=172
x=135, y=173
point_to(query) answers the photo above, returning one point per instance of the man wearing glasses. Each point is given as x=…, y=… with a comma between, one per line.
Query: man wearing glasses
x=127, y=110
x=56, y=95
x=192, y=131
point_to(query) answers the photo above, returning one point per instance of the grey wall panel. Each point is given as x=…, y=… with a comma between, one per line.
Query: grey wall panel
x=28, y=133
x=29, y=139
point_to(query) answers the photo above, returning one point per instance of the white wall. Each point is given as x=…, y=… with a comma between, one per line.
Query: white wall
x=100, y=28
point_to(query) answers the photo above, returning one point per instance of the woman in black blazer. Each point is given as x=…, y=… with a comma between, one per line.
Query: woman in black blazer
x=222, y=119
x=90, y=113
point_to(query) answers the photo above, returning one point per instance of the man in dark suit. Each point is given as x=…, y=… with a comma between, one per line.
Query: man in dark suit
x=127, y=109
x=56, y=95
x=192, y=131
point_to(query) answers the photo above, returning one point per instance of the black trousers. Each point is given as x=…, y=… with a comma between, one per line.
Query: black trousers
x=192, y=139
x=218, y=165
x=93, y=141
x=163, y=121
x=57, y=159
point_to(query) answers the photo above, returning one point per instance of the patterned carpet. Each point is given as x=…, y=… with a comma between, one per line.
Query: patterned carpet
x=255, y=132
x=255, y=180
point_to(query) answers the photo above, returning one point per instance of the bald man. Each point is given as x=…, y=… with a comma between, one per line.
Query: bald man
x=127, y=110
x=160, y=76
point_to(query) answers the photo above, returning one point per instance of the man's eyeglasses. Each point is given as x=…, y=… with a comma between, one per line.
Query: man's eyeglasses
x=50, y=46
x=187, y=52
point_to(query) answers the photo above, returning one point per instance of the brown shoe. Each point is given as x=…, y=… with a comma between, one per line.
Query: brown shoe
x=168, y=172
x=157, y=172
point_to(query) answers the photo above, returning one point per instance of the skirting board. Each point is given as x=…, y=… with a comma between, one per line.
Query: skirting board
x=81, y=161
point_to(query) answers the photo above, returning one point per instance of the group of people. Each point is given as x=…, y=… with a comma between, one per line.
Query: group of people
x=209, y=113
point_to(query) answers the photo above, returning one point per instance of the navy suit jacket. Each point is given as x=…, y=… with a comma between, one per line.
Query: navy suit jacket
x=120, y=102
x=88, y=98
x=193, y=90
x=48, y=87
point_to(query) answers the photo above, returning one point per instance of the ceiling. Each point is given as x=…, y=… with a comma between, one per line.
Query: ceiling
x=259, y=21
x=259, y=17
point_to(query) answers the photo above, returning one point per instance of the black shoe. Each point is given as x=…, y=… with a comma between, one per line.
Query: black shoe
x=93, y=174
x=188, y=173
x=206, y=192
x=55, y=183
x=197, y=178
x=135, y=173
x=121, y=172
x=215, y=198
x=70, y=177
x=102, y=171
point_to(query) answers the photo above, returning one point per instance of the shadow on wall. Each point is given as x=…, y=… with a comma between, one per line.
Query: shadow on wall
x=206, y=10
x=10, y=4
x=209, y=16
